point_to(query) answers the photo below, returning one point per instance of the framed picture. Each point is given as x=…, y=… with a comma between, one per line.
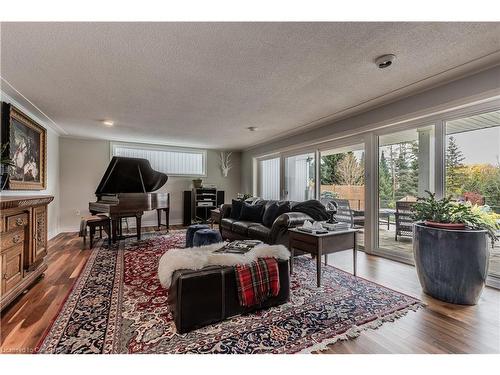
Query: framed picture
x=27, y=148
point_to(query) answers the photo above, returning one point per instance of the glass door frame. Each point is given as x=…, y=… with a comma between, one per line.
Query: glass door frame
x=302, y=151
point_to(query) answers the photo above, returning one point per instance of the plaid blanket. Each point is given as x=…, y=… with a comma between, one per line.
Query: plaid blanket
x=257, y=281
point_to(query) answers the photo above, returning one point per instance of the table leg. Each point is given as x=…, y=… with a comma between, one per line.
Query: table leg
x=354, y=255
x=291, y=256
x=326, y=259
x=388, y=222
x=318, y=267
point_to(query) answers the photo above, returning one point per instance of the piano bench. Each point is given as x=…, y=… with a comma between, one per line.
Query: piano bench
x=101, y=222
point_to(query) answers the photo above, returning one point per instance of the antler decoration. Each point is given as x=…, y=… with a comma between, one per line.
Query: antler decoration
x=225, y=162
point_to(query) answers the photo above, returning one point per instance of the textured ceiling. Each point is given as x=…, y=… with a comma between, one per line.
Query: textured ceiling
x=203, y=84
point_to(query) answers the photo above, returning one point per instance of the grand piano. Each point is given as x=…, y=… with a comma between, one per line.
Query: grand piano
x=127, y=189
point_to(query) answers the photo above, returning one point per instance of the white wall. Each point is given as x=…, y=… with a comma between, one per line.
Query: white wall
x=52, y=169
x=83, y=163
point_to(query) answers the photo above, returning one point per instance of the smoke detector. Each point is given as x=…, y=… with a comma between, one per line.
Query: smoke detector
x=385, y=61
x=252, y=128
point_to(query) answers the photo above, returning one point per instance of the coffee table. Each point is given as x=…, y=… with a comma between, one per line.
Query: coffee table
x=322, y=244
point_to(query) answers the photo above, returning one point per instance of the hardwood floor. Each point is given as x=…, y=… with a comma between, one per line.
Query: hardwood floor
x=438, y=328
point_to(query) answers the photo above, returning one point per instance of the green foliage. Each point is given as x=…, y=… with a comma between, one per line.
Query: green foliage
x=329, y=175
x=406, y=168
x=454, y=168
x=384, y=181
x=446, y=211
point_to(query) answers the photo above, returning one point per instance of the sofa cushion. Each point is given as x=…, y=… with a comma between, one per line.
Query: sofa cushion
x=241, y=227
x=274, y=210
x=236, y=209
x=259, y=232
x=227, y=223
x=252, y=212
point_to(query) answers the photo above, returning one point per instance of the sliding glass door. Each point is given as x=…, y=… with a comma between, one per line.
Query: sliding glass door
x=299, y=177
x=342, y=177
x=473, y=167
x=405, y=172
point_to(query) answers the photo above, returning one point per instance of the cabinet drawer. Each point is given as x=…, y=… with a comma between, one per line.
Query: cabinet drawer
x=17, y=221
x=11, y=238
x=12, y=268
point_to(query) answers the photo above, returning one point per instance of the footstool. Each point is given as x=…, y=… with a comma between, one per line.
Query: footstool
x=191, y=231
x=204, y=237
x=209, y=295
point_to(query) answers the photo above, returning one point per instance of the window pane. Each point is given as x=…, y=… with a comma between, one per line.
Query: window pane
x=269, y=178
x=167, y=161
x=473, y=167
x=299, y=177
x=343, y=180
x=406, y=170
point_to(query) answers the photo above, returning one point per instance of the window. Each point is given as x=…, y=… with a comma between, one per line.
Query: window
x=300, y=177
x=170, y=160
x=473, y=167
x=342, y=177
x=269, y=178
x=405, y=171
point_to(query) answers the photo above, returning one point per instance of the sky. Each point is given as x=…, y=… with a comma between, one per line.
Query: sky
x=480, y=146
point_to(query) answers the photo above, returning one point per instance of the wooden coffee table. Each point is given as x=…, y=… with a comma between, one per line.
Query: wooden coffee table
x=322, y=244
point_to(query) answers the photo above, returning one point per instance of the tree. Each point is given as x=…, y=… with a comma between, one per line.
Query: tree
x=385, y=182
x=454, y=168
x=350, y=171
x=329, y=175
x=406, y=184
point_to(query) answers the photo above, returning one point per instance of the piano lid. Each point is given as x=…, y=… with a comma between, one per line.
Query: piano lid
x=130, y=175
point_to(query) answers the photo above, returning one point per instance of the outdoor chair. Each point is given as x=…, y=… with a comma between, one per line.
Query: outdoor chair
x=404, y=222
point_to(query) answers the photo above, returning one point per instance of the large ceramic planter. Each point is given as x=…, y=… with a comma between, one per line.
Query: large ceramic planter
x=452, y=265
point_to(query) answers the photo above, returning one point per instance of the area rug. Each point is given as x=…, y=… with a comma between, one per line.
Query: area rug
x=118, y=306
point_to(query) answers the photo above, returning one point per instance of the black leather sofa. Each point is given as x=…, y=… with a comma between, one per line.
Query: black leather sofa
x=234, y=229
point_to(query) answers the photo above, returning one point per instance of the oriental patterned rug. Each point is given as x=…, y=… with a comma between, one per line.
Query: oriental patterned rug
x=118, y=306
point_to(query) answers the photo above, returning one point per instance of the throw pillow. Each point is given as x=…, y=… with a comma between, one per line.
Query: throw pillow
x=252, y=212
x=236, y=209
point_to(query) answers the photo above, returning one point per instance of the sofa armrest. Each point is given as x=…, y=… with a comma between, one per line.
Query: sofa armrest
x=225, y=210
x=279, y=230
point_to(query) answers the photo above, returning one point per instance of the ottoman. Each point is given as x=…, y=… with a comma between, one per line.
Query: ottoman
x=192, y=229
x=198, y=298
x=206, y=237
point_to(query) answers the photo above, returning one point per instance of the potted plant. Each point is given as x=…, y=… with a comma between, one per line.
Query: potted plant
x=450, y=246
x=5, y=163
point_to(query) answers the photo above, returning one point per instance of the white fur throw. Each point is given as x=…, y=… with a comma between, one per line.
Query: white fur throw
x=195, y=258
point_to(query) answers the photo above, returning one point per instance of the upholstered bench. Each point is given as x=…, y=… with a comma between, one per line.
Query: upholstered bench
x=198, y=298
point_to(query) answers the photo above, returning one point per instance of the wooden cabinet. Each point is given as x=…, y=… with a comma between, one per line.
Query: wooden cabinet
x=23, y=243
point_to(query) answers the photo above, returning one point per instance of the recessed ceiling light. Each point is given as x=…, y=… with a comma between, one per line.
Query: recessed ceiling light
x=252, y=128
x=385, y=61
x=108, y=123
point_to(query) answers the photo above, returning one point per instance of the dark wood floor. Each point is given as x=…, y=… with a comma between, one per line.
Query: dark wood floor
x=438, y=328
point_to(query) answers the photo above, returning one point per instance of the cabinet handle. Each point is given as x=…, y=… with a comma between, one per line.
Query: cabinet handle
x=5, y=276
x=19, y=221
x=16, y=238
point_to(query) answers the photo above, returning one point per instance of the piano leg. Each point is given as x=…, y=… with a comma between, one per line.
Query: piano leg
x=114, y=229
x=138, y=226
